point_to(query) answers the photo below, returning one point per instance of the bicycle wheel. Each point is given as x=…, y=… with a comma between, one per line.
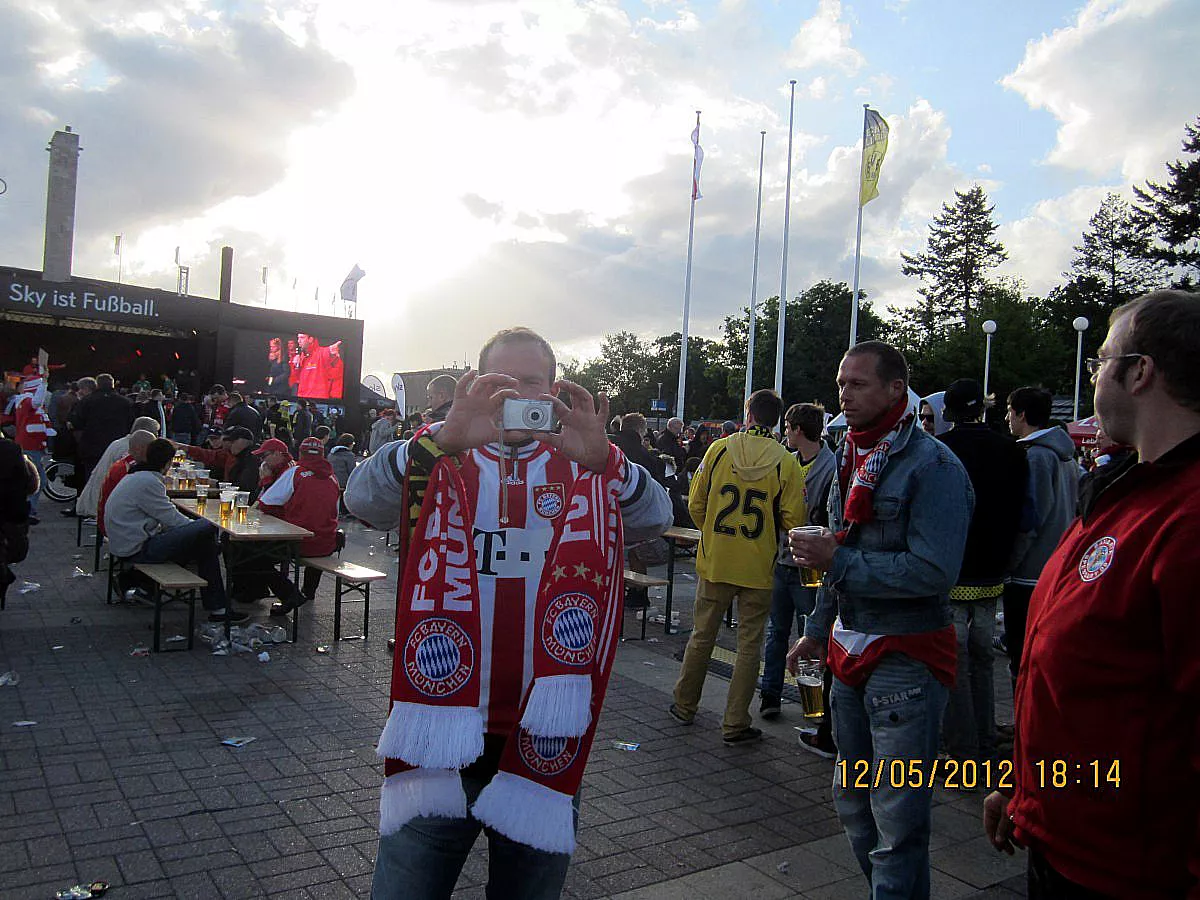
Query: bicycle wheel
x=54, y=485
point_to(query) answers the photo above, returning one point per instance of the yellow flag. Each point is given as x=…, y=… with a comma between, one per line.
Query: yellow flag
x=875, y=144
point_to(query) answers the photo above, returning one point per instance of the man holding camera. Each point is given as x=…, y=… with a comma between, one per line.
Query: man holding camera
x=508, y=614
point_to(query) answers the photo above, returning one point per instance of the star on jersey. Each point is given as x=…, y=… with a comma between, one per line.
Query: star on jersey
x=582, y=571
x=559, y=573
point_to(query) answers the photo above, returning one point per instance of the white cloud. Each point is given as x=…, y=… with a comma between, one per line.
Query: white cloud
x=1121, y=82
x=824, y=40
x=1041, y=244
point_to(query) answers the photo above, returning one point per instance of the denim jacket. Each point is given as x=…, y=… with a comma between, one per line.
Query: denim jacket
x=893, y=575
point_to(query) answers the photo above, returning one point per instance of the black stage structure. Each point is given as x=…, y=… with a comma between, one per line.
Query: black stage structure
x=90, y=326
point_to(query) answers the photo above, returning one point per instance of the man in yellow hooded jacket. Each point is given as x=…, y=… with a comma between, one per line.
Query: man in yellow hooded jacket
x=747, y=491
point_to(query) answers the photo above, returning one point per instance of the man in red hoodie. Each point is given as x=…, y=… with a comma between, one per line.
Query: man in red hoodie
x=28, y=411
x=305, y=494
x=1105, y=787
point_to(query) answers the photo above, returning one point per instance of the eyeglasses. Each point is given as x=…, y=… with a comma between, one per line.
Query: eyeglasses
x=1095, y=365
x=927, y=417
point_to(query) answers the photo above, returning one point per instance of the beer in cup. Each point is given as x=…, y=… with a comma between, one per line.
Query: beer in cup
x=227, y=498
x=810, y=578
x=809, y=676
x=242, y=504
x=201, y=495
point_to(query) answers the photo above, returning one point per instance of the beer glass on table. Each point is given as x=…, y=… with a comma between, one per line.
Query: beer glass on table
x=227, y=498
x=242, y=506
x=201, y=495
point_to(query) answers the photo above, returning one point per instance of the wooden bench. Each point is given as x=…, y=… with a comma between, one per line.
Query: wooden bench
x=638, y=580
x=172, y=583
x=349, y=578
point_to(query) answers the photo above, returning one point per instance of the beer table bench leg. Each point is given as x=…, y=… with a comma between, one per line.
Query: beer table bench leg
x=670, y=588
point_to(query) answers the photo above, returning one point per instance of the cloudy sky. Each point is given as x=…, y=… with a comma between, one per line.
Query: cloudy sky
x=491, y=163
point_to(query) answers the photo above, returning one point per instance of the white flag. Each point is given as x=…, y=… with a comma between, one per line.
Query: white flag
x=350, y=285
x=697, y=162
x=117, y=244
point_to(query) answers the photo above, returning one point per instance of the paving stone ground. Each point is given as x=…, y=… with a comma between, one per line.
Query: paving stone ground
x=124, y=778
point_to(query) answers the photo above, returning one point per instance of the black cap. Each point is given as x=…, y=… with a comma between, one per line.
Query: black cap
x=237, y=432
x=964, y=399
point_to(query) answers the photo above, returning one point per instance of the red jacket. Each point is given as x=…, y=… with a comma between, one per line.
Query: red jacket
x=31, y=422
x=1111, y=674
x=116, y=472
x=310, y=500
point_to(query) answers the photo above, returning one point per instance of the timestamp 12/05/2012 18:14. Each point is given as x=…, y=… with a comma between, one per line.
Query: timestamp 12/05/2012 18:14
x=864, y=774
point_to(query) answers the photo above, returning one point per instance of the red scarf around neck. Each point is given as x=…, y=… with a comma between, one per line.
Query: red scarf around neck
x=435, y=727
x=858, y=506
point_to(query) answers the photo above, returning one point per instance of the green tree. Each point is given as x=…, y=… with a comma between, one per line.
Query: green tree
x=1171, y=211
x=960, y=251
x=1117, y=251
x=817, y=334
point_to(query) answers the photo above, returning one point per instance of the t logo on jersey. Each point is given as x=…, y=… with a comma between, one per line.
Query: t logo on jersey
x=549, y=500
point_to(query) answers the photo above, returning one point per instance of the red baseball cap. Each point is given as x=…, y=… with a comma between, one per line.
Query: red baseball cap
x=312, y=445
x=274, y=445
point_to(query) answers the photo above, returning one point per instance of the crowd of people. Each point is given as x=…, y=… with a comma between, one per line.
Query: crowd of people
x=894, y=550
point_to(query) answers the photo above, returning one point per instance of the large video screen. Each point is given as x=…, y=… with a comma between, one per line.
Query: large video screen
x=288, y=366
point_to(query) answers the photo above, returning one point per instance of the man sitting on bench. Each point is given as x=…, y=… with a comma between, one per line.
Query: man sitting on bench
x=143, y=525
x=305, y=494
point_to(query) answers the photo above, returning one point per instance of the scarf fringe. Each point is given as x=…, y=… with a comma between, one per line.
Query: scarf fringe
x=420, y=792
x=433, y=737
x=559, y=706
x=527, y=812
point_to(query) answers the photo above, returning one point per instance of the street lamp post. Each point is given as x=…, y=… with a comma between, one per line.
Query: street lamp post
x=989, y=328
x=1080, y=325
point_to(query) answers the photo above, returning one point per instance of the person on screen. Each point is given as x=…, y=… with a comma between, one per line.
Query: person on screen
x=320, y=369
x=279, y=372
x=293, y=361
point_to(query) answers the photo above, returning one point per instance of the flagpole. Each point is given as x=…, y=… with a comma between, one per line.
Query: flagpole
x=858, y=235
x=762, y=151
x=781, y=326
x=687, y=284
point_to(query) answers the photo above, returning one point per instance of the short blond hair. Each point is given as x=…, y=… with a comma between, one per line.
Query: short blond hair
x=517, y=335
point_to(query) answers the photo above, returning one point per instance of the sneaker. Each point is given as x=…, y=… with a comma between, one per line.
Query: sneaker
x=230, y=616
x=34, y=520
x=69, y=511
x=678, y=715
x=810, y=743
x=769, y=708
x=999, y=643
x=391, y=645
x=745, y=736
x=1006, y=729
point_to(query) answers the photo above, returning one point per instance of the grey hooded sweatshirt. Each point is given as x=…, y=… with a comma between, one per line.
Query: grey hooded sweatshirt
x=1049, y=503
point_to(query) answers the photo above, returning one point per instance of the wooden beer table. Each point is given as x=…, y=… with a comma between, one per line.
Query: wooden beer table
x=675, y=536
x=262, y=539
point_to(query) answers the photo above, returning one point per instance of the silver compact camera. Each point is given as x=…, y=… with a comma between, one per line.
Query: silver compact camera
x=528, y=415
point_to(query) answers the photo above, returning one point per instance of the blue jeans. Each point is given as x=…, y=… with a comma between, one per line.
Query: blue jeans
x=423, y=859
x=895, y=715
x=194, y=542
x=37, y=457
x=970, y=714
x=790, y=602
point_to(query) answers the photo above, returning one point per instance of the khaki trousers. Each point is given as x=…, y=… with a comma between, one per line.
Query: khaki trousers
x=713, y=598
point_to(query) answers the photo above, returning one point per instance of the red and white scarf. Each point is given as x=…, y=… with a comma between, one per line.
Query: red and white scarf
x=859, y=490
x=436, y=728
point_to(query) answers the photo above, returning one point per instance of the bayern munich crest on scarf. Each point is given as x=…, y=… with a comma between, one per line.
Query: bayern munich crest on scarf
x=549, y=500
x=569, y=629
x=1097, y=558
x=438, y=657
x=547, y=755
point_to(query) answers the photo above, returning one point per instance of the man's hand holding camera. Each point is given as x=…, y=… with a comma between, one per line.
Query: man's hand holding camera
x=477, y=413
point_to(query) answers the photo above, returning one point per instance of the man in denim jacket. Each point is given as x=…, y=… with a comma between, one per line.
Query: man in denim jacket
x=899, y=510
